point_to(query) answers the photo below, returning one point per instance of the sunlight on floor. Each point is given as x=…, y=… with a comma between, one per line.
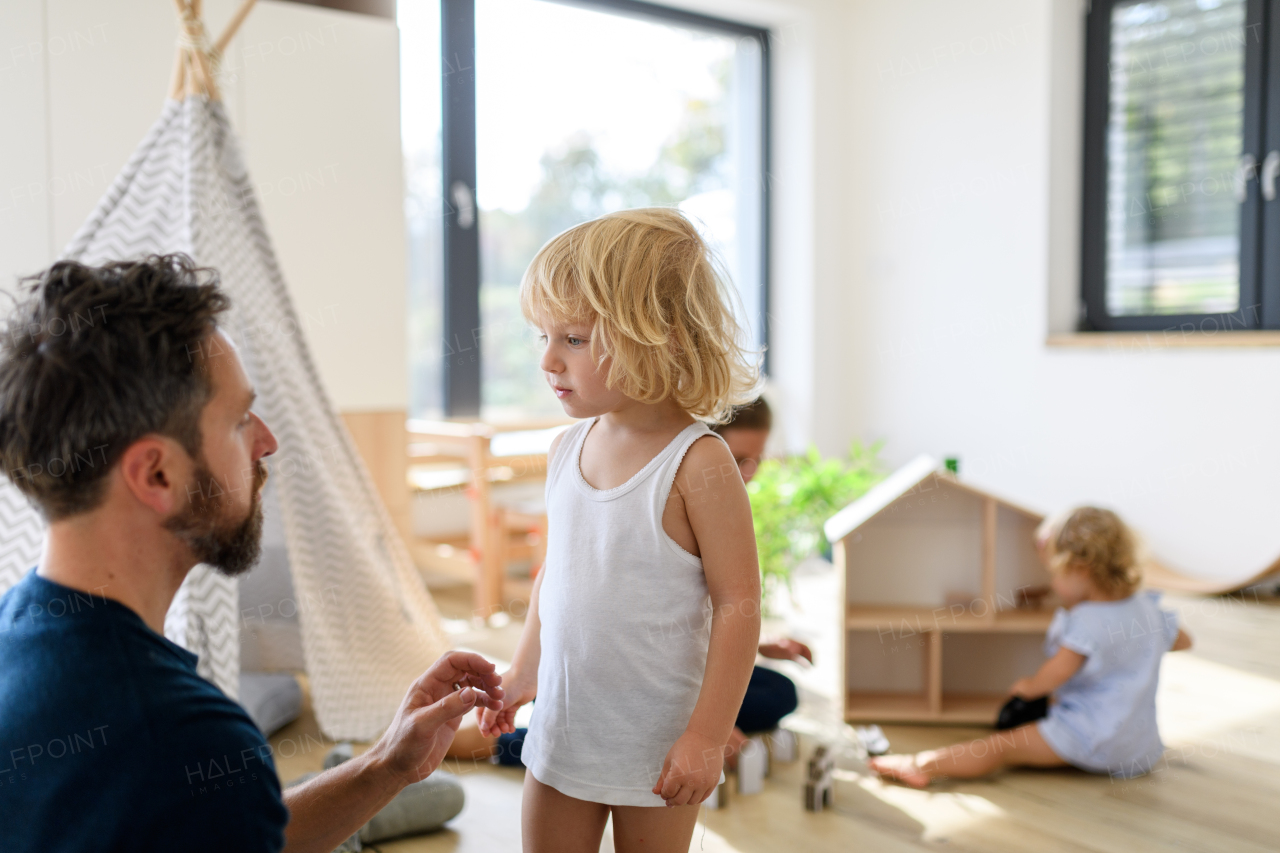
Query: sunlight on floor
x=1192, y=709
x=940, y=814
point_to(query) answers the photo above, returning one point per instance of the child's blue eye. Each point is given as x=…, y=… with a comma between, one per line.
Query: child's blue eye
x=574, y=341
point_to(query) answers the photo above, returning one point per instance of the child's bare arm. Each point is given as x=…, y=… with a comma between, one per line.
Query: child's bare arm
x=521, y=679
x=1182, y=642
x=1053, y=674
x=715, y=501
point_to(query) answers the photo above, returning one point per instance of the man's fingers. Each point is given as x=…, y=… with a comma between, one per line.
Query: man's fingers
x=450, y=707
x=452, y=667
x=481, y=684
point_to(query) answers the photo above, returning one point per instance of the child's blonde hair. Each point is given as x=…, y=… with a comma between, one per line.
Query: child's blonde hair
x=647, y=282
x=1095, y=541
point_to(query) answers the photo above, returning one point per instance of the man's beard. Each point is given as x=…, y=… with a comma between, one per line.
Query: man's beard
x=230, y=546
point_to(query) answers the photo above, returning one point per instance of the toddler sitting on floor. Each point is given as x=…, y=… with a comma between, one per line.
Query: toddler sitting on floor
x=1104, y=647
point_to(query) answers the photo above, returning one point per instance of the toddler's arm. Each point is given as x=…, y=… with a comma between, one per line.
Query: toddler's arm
x=715, y=501
x=1052, y=674
x=1182, y=642
x=521, y=680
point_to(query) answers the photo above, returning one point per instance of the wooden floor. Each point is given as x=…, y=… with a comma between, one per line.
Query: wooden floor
x=1217, y=790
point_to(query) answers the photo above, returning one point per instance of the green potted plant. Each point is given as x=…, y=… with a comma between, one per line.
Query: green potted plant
x=792, y=497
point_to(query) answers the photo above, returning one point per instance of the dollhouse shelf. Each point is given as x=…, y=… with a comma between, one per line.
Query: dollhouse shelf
x=900, y=620
x=932, y=569
x=955, y=709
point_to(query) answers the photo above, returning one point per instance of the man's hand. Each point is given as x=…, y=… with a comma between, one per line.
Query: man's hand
x=691, y=770
x=786, y=648
x=415, y=742
x=336, y=803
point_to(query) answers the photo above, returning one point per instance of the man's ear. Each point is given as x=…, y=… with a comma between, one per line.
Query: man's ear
x=156, y=470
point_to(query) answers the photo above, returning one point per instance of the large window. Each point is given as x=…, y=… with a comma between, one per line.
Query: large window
x=1182, y=128
x=544, y=115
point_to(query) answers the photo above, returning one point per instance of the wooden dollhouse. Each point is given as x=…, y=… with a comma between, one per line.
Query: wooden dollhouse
x=941, y=587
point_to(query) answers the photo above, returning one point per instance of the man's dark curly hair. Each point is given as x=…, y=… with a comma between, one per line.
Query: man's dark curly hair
x=93, y=359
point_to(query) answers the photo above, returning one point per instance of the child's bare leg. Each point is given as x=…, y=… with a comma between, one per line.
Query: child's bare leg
x=469, y=744
x=661, y=829
x=1022, y=746
x=552, y=822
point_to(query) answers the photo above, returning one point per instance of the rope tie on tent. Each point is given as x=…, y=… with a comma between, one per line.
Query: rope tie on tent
x=192, y=35
x=198, y=60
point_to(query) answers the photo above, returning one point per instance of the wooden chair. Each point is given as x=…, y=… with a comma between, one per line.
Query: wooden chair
x=497, y=534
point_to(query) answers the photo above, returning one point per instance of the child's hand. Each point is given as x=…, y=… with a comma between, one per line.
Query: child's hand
x=691, y=770
x=518, y=691
x=787, y=649
x=1023, y=688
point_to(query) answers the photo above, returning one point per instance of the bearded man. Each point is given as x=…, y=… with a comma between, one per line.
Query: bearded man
x=127, y=418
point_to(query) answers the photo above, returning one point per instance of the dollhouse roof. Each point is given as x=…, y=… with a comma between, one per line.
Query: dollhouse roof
x=899, y=484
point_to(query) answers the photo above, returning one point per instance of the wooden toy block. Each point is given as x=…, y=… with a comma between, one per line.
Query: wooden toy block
x=753, y=765
x=719, y=798
x=784, y=746
x=819, y=786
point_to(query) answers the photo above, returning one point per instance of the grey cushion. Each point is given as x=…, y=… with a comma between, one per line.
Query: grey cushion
x=420, y=807
x=273, y=699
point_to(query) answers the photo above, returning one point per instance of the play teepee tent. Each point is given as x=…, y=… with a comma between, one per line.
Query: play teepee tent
x=369, y=626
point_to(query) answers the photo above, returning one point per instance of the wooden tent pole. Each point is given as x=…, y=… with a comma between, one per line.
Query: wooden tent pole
x=234, y=24
x=204, y=70
x=178, y=82
x=189, y=73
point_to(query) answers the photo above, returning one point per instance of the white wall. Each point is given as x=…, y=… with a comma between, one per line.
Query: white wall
x=314, y=96
x=962, y=227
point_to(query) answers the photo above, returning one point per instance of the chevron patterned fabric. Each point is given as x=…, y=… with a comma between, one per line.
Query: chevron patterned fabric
x=369, y=626
x=21, y=534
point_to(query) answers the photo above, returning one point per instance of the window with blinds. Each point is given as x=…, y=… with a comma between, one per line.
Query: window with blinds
x=1180, y=166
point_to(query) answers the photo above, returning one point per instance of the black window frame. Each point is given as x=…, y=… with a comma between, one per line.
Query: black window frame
x=1259, y=306
x=461, y=362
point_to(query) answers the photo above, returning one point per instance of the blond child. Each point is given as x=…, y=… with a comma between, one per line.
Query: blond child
x=643, y=624
x=1104, y=648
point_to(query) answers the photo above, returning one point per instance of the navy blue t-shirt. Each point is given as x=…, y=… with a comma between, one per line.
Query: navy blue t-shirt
x=109, y=740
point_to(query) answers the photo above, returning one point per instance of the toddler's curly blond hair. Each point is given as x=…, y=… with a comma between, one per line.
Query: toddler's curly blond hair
x=647, y=282
x=1095, y=541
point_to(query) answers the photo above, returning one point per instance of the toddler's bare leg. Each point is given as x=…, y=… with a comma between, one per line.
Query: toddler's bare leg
x=469, y=744
x=1022, y=746
x=552, y=822
x=660, y=829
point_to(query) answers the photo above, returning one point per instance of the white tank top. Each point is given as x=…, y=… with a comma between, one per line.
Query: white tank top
x=625, y=625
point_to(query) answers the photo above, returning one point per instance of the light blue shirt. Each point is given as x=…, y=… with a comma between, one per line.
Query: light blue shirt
x=1103, y=719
